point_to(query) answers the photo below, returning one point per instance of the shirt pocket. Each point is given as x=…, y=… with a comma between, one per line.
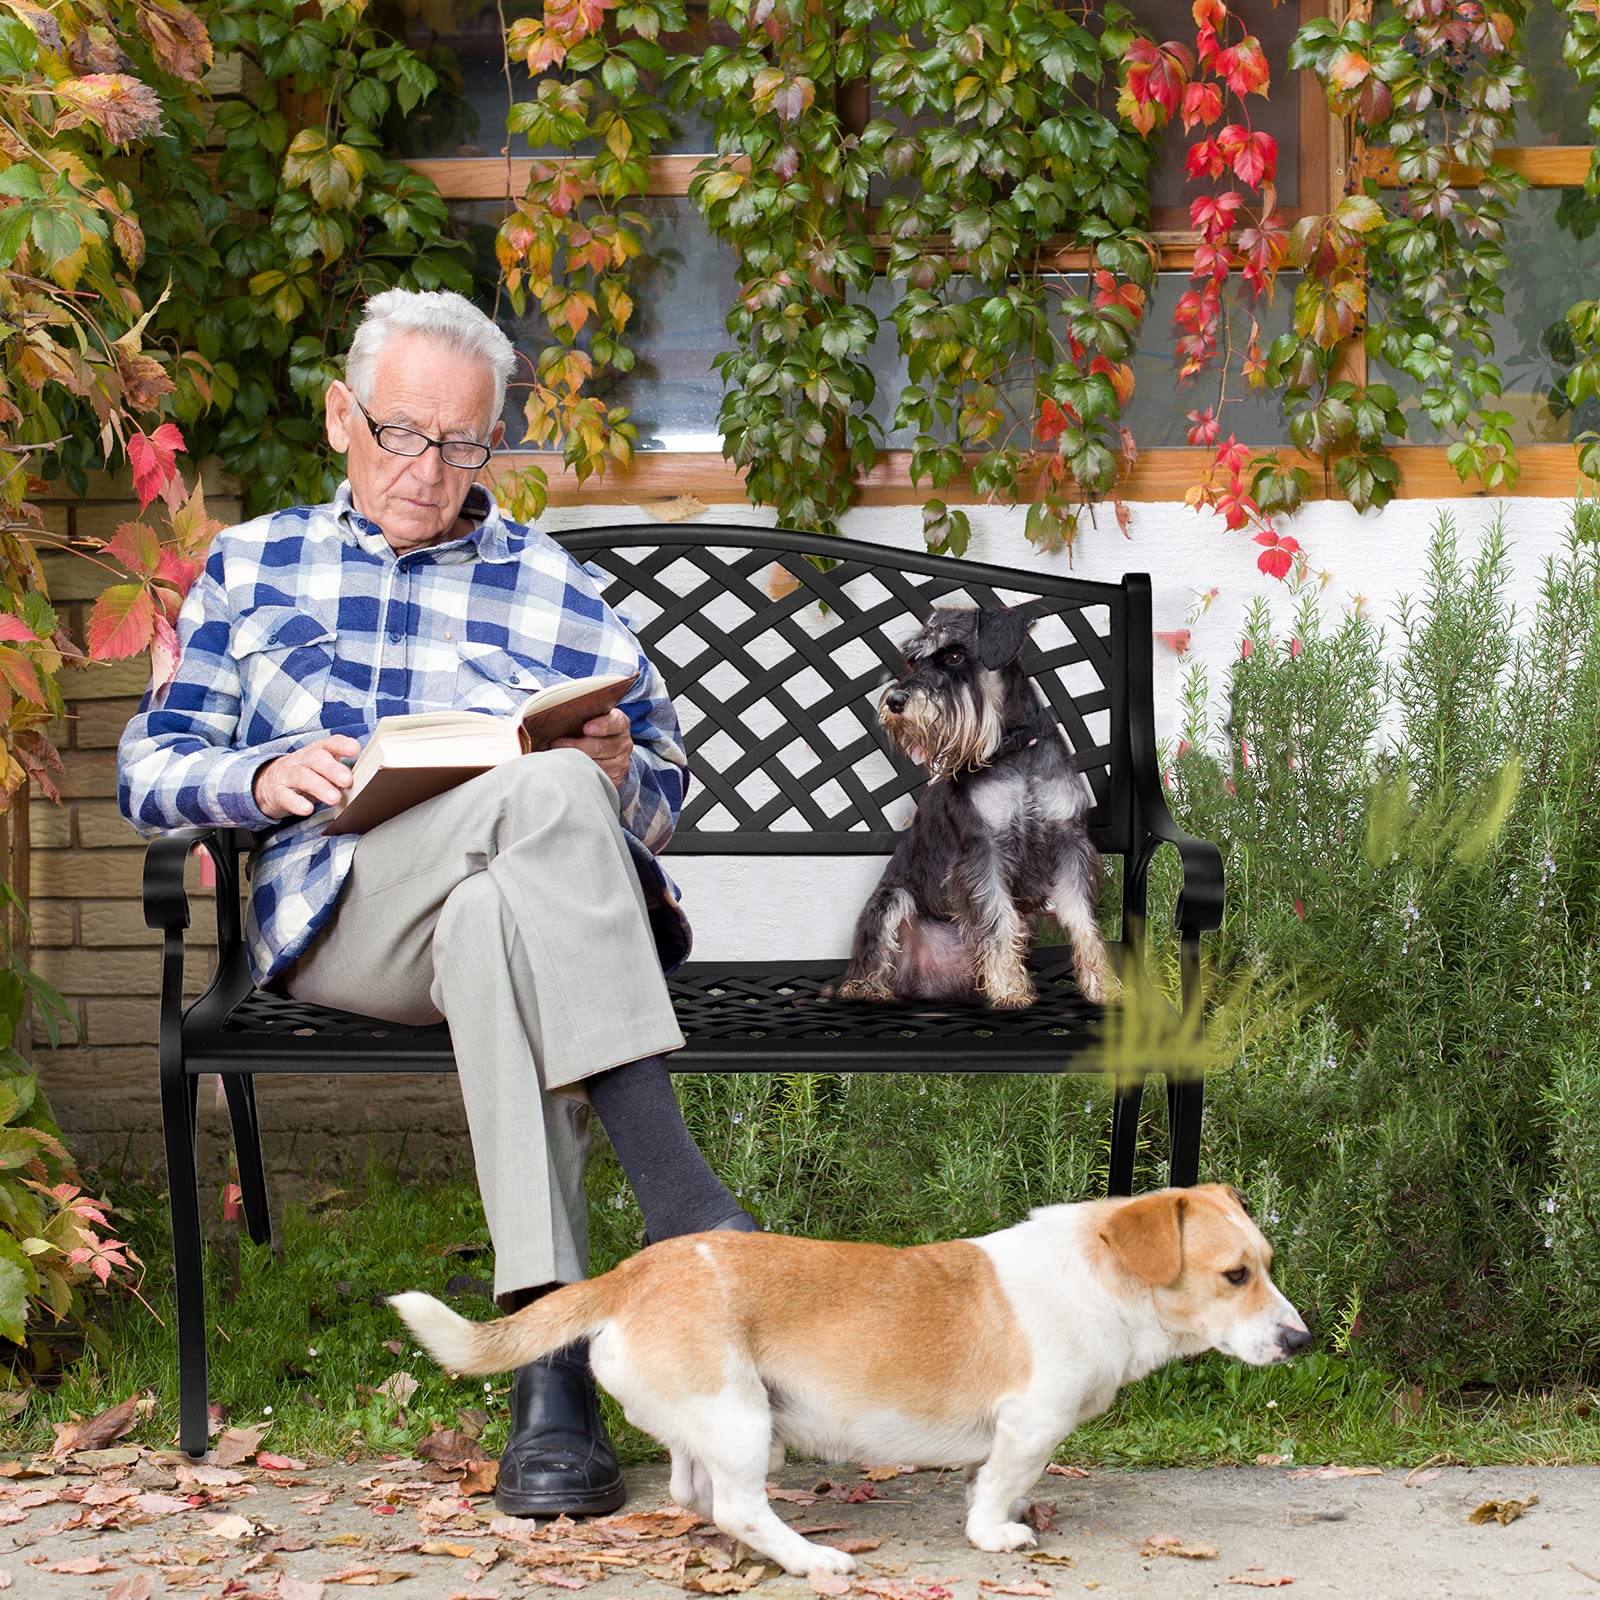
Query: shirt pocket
x=285, y=657
x=490, y=678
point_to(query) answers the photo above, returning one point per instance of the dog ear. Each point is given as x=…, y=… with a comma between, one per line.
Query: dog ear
x=1146, y=1236
x=1001, y=634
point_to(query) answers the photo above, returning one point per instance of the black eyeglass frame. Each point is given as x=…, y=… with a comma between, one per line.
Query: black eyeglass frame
x=378, y=429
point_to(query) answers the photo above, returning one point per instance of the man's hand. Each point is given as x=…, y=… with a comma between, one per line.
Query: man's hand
x=299, y=783
x=607, y=740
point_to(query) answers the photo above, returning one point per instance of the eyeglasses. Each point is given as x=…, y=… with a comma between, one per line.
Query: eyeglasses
x=400, y=440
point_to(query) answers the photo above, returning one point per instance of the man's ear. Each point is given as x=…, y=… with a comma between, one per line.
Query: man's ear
x=336, y=415
x=1146, y=1236
x=1001, y=634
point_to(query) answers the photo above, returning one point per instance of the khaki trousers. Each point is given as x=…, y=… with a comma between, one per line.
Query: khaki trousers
x=510, y=907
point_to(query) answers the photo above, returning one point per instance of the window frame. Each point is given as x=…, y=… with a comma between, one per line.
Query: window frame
x=1330, y=164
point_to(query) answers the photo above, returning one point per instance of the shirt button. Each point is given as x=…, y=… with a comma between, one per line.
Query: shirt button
x=394, y=636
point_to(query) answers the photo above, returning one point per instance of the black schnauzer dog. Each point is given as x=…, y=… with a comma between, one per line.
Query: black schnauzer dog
x=998, y=837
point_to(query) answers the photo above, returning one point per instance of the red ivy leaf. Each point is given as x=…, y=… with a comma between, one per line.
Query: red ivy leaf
x=122, y=622
x=138, y=547
x=1202, y=102
x=1177, y=641
x=13, y=630
x=163, y=653
x=1257, y=161
x=155, y=461
x=1244, y=66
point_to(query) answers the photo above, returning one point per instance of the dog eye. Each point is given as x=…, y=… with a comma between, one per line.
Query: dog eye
x=954, y=658
x=1237, y=1275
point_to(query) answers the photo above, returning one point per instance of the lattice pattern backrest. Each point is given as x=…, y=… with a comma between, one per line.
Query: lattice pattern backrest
x=776, y=666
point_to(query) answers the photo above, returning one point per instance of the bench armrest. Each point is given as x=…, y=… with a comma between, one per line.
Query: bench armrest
x=166, y=900
x=1199, y=908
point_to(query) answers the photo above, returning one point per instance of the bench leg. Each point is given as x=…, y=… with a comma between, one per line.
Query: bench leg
x=240, y=1089
x=1124, y=1136
x=1186, y=1094
x=178, y=1107
x=1185, y=1101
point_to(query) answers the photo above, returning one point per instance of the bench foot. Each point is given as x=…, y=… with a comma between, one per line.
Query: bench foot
x=178, y=1115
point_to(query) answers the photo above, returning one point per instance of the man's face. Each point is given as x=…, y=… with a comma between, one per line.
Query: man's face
x=421, y=383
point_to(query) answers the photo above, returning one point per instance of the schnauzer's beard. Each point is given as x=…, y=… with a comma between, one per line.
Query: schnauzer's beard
x=959, y=731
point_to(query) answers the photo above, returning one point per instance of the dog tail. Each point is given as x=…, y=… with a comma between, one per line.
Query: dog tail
x=475, y=1348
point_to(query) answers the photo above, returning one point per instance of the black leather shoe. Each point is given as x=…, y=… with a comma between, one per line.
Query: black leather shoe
x=559, y=1458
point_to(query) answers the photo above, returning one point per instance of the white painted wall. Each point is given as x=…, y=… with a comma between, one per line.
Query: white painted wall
x=754, y=910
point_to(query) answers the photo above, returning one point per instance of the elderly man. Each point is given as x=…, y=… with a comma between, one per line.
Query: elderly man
x=526, y=906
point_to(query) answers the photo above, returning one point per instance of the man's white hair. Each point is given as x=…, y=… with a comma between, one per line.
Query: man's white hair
x=449, y=318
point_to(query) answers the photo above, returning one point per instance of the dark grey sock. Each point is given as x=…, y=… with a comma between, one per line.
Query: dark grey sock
x=677, y=1191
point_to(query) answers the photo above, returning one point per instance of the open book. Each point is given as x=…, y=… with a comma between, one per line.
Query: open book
x=412, y=758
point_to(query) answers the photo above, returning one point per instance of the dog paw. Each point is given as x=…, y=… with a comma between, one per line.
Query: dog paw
x=1100, y=987
x=1015, y=998
x=864, y=989
x=824, y=1558
x=1002, y=1536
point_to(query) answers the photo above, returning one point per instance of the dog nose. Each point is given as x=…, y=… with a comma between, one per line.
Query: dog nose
x=1294, y=1340
x=896, y=699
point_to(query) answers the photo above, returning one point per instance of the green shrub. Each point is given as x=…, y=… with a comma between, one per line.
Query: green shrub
x=1418, y=844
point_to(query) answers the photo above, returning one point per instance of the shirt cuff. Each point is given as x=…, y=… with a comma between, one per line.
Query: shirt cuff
x=230, y=791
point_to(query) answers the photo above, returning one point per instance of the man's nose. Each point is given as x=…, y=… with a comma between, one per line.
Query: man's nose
x=896, y=700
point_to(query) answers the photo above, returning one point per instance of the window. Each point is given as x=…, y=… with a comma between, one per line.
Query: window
x=674, y=396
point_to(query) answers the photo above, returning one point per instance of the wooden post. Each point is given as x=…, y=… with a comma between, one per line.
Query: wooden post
x=14, y=869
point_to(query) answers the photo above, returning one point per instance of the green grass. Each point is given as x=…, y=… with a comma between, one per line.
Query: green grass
x=307, y=1334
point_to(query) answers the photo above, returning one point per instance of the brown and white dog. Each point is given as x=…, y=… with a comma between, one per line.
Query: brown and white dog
x=982, y=1353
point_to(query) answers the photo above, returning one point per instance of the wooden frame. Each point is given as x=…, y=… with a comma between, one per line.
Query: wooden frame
x=1330, y=165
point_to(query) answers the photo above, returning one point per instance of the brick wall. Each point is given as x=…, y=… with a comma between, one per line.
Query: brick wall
x=90, y=940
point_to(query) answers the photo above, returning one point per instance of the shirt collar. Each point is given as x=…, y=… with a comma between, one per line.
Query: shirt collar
x=488, y=539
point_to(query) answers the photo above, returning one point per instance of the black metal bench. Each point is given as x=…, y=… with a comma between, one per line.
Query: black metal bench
x=775, y=679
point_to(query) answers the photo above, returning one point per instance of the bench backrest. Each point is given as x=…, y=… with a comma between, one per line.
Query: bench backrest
x=776, y=645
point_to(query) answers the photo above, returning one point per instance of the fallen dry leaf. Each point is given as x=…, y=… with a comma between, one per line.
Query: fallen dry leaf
x=1040, y=1515
x=237, y=1445
x=474, y=1594
x=139, y=1587
x=1270, y=1461
x=1049, y=1558
x=451, y=1447
x=1415, y=1480
x=793, y=1497
x=1325, y=1474
x=299, y=1588
x=679, y=509
x=81, y=1565
x=648, y=1524
x=1169, y=1544
x=829, y=1583
x=97, y=1432
x=369, y=1577
x=438, y=1547
x=479, y=1477
x=561, y=1580
x=882, y=1474
x=1502, y=1511
x=399, y=1388
x=228, y=1525
x=990, y=1587
x=1261, y=1580
x=265, y=1458
x=160, y=1505
x=855, y=1545
x=1057, y=1470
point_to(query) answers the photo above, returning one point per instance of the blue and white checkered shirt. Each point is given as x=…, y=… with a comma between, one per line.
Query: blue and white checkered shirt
x=306, y=623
